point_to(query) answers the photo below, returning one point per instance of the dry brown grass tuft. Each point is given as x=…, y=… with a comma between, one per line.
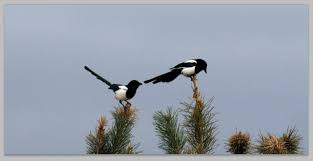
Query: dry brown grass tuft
x=271, y=144
x=239, y=143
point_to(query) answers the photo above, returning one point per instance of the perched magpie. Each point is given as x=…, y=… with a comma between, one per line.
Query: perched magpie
x=188, y=68
x=122, y=92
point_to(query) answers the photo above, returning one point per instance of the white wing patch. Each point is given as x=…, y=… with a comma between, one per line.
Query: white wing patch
x=123, y=87
x=190, y=61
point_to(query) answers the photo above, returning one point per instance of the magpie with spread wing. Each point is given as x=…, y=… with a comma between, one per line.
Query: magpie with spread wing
x=122, y=92
x=188, y=68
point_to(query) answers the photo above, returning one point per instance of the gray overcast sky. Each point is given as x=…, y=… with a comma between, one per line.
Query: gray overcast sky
x=257, y=69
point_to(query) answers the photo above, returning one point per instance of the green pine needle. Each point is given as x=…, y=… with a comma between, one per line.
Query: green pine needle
x=292, y=140
x=171, y=135
x=200, y=126
x=117, y=139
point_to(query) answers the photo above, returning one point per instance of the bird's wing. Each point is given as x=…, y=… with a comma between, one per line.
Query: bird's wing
x=98, y=76
x=167, y=77
x=189, y=63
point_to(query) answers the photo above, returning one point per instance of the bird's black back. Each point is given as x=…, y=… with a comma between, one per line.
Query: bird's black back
x=199, y=65
x=184, y=65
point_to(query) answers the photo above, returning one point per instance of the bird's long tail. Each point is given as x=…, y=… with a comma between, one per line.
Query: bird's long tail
x=98, y=76
x=167, y=77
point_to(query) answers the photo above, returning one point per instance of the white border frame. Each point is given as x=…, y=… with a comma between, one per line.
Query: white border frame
x=153, y=157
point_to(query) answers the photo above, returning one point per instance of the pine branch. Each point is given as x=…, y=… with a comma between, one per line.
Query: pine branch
x=97, y=142
x=189, y=150
x=200, y=126
x=120, y=133
x=117, y=139
x=132, y=149
x=169, y=131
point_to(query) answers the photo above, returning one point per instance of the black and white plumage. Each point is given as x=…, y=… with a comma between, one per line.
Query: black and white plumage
x=188, y=68
x=122, y=92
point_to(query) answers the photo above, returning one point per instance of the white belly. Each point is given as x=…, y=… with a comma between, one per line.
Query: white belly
x=120, y=94
x=188, y=71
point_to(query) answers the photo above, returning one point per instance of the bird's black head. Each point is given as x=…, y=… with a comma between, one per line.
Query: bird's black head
x=134, y=84
x=202, y=65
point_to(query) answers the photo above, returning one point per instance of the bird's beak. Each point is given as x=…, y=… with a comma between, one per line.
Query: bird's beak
x=140, y=84
x=205, y=70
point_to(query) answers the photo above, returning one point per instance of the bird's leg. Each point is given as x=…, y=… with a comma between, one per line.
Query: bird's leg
x=128, y=104
x=122, y=103
x=191, y=78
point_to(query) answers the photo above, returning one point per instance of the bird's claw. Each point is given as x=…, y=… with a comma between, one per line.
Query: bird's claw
x=127, y=106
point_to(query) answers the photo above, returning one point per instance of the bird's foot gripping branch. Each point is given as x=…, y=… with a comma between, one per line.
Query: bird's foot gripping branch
x=127, y=106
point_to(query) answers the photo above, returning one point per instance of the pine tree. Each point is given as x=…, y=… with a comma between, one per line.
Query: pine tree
x=117, y=139
x=199, y=126
x=172, y=140
x=97, y=142
x=199, y=122
x=120, y=133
